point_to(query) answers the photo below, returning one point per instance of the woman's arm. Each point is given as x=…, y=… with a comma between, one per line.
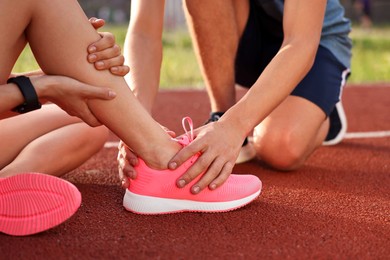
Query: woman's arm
x=69, y=94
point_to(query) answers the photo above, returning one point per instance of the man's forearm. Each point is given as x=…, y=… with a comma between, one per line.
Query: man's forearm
x=144, y=57
x=276, y=82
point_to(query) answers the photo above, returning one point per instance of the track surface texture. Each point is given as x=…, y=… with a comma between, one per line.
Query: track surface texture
x=336, y=207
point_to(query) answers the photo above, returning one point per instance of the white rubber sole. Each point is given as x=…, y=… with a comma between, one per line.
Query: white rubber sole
x=152, y=205
x=340, y=136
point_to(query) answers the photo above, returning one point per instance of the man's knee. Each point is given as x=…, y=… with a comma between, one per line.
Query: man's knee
x=280, y=150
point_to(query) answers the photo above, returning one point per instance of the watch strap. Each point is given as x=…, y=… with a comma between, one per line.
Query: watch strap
x=31, y=101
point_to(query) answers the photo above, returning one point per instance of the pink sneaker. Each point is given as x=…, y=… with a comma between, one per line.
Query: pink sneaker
x=31, y=203
x=155, y=191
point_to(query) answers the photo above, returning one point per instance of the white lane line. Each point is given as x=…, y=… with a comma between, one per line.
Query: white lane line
x=374, y=134
x=111, y=144
x=353, y=135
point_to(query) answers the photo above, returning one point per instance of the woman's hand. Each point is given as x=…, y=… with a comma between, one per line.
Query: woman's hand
x=71, y=95
x=219, y=146
x=105, y=53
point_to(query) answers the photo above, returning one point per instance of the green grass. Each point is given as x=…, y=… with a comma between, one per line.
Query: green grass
x=370, y=62
x=371, y=55
x=179, y=66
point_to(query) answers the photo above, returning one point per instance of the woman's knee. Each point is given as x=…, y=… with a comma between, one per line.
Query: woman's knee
x=96, y=137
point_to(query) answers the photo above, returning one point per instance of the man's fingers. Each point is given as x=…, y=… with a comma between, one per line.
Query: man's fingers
x=209, y=176
x=223, y=176
x=182, y=156
x=197, y=168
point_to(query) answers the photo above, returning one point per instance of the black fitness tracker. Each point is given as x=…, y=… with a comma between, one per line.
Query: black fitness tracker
x=31, y=101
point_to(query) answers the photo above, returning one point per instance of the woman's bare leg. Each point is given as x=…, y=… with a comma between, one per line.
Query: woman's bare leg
x=55, y=142
x=60, y=48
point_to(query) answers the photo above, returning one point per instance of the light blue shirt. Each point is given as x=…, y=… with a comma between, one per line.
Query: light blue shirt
x=335, y=28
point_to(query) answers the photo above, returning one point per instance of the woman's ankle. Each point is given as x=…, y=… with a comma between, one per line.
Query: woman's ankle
x=159, y=156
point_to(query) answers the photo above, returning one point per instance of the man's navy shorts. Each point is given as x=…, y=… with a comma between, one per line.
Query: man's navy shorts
x=261, y=41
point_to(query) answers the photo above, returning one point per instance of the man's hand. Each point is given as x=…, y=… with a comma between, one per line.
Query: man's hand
x=71, y=95
x=105, y=53
x=219, y=147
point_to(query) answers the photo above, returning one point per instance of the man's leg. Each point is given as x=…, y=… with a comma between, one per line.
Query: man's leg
x=216, y=27
x=290, y=134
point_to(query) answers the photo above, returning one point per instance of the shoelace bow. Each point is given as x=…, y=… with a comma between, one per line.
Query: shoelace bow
x=188, y=137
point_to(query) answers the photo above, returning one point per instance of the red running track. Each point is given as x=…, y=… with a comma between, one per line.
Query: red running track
x=336, y=207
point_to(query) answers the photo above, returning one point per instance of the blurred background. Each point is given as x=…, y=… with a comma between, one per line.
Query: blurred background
x=118, y=11
x=370, y=36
